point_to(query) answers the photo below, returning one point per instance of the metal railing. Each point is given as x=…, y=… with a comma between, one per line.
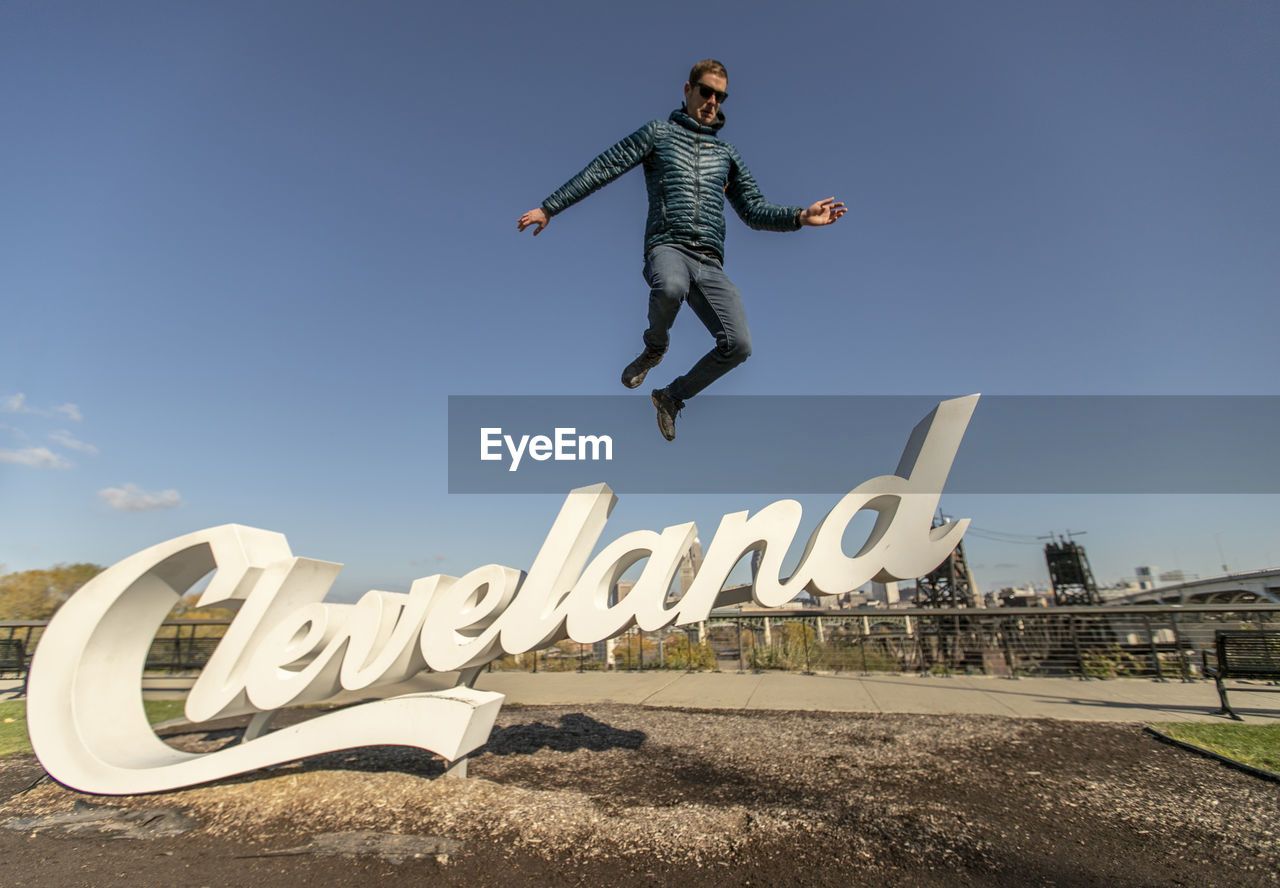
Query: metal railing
x=1158, y=642
x=1086, y=642
x=181, y=647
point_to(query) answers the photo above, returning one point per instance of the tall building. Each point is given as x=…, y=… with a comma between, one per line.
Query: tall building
x=885, y=592
x=619, y=591
x=689, y=565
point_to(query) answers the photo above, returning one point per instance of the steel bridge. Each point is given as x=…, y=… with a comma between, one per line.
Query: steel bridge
x=1257, y=586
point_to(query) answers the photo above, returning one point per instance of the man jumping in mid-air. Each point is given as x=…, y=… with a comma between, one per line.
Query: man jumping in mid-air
x=688, y=172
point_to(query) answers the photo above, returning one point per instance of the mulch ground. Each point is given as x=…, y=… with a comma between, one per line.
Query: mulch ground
x=625, y=795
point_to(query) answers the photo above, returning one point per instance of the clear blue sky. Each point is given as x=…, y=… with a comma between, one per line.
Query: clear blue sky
x=249, y=249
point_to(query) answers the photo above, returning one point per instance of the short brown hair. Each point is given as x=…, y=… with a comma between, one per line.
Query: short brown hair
x=707, y=65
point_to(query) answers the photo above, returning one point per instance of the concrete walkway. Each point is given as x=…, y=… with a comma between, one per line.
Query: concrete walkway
x=1121, y=699
x=1125, y=700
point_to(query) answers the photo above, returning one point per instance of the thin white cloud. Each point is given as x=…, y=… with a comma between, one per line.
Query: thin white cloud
x=35, y=458
x=71, y=442
x=18, y=404
x=132, y=498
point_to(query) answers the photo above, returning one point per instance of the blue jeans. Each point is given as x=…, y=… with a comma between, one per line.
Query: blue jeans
x=676, y=274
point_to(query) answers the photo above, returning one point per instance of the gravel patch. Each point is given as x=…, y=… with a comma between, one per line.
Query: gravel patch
x=634, y=794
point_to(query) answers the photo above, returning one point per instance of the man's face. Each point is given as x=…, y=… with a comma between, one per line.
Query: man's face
x=703, y=109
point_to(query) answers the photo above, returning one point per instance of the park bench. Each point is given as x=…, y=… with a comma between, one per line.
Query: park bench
x=1242, y=653
x=13, y=657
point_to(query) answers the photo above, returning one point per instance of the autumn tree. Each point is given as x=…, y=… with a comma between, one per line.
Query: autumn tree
x=36, y=594
x=188, y=608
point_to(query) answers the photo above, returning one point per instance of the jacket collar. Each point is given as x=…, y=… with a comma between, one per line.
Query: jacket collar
x=681, y=117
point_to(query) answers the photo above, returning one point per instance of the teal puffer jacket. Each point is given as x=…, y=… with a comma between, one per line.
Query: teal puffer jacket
x=688, y=172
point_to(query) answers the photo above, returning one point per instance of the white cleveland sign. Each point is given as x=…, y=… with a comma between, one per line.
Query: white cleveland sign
x=287, y=646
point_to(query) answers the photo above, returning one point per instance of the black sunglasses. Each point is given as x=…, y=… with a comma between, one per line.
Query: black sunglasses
x=708, y=92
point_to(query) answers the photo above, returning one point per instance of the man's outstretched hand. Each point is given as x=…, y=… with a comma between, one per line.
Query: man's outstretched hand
x=540, y=218
x=824, y=212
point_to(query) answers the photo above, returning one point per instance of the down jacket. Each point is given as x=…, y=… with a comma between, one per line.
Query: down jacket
x=688, y=172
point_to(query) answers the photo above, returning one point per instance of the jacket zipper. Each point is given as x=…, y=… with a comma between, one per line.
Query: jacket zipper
x=697, y=187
